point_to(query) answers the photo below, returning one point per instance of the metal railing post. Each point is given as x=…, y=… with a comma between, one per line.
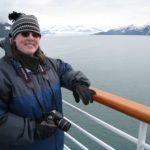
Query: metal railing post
x=142, y=135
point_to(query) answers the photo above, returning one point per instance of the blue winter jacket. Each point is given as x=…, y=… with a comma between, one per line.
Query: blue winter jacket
x=20, y=106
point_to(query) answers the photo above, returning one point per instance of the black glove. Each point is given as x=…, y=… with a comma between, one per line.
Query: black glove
x=82, y=91
x=45, y=128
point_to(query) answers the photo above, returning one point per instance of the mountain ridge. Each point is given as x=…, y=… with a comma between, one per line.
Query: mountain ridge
x=84, y=30
x=129, y=30
x=4, y=29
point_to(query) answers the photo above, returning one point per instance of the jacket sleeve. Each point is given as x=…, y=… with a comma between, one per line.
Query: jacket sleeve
x=14, y=129
x=68, y=76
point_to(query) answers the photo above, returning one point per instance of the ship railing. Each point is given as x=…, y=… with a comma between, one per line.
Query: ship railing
x=131, y=108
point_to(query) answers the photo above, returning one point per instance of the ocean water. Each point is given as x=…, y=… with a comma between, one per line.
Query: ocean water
x=116, y=64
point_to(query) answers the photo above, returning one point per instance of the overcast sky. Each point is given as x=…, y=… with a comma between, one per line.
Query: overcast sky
x=98, y=13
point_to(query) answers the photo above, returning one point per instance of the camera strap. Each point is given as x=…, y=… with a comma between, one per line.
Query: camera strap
x=25, y=74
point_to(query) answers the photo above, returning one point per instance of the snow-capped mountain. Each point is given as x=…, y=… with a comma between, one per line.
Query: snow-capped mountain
x=70, y=30
x=129, y=30
x=84, y=30
x=4, y=29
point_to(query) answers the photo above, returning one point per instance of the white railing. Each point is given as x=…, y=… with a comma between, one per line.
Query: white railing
x=140, y=141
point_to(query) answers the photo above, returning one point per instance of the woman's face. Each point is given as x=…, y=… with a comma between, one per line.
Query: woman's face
x=27, y=42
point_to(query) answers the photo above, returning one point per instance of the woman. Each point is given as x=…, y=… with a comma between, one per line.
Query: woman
x=30, y=90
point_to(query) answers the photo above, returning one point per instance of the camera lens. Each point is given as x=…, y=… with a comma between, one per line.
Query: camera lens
x=64, y=124
x=61, y=123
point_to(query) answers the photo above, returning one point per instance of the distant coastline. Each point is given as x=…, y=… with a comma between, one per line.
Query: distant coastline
x=130, y=30
x=83, y=30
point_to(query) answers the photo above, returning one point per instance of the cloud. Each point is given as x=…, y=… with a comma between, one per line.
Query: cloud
x=81, y=12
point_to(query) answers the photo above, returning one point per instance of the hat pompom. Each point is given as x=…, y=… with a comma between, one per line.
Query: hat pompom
x=14, y=16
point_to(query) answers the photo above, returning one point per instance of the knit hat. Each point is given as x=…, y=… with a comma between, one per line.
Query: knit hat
x=23, y=22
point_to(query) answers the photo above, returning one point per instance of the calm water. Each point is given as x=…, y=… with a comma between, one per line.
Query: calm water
x=117, y=64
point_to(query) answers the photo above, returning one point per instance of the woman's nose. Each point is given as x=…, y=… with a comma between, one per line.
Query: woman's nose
x=30, y=35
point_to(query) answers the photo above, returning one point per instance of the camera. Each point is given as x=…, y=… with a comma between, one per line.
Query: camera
x=61, y=123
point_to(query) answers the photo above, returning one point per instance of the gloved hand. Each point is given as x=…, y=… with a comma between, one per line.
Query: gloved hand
x=82, y=91
x=45, y=128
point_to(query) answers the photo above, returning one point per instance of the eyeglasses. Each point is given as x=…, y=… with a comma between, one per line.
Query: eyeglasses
x=27, y=33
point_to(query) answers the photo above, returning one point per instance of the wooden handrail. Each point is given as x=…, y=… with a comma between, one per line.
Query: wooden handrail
x=129, y=107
